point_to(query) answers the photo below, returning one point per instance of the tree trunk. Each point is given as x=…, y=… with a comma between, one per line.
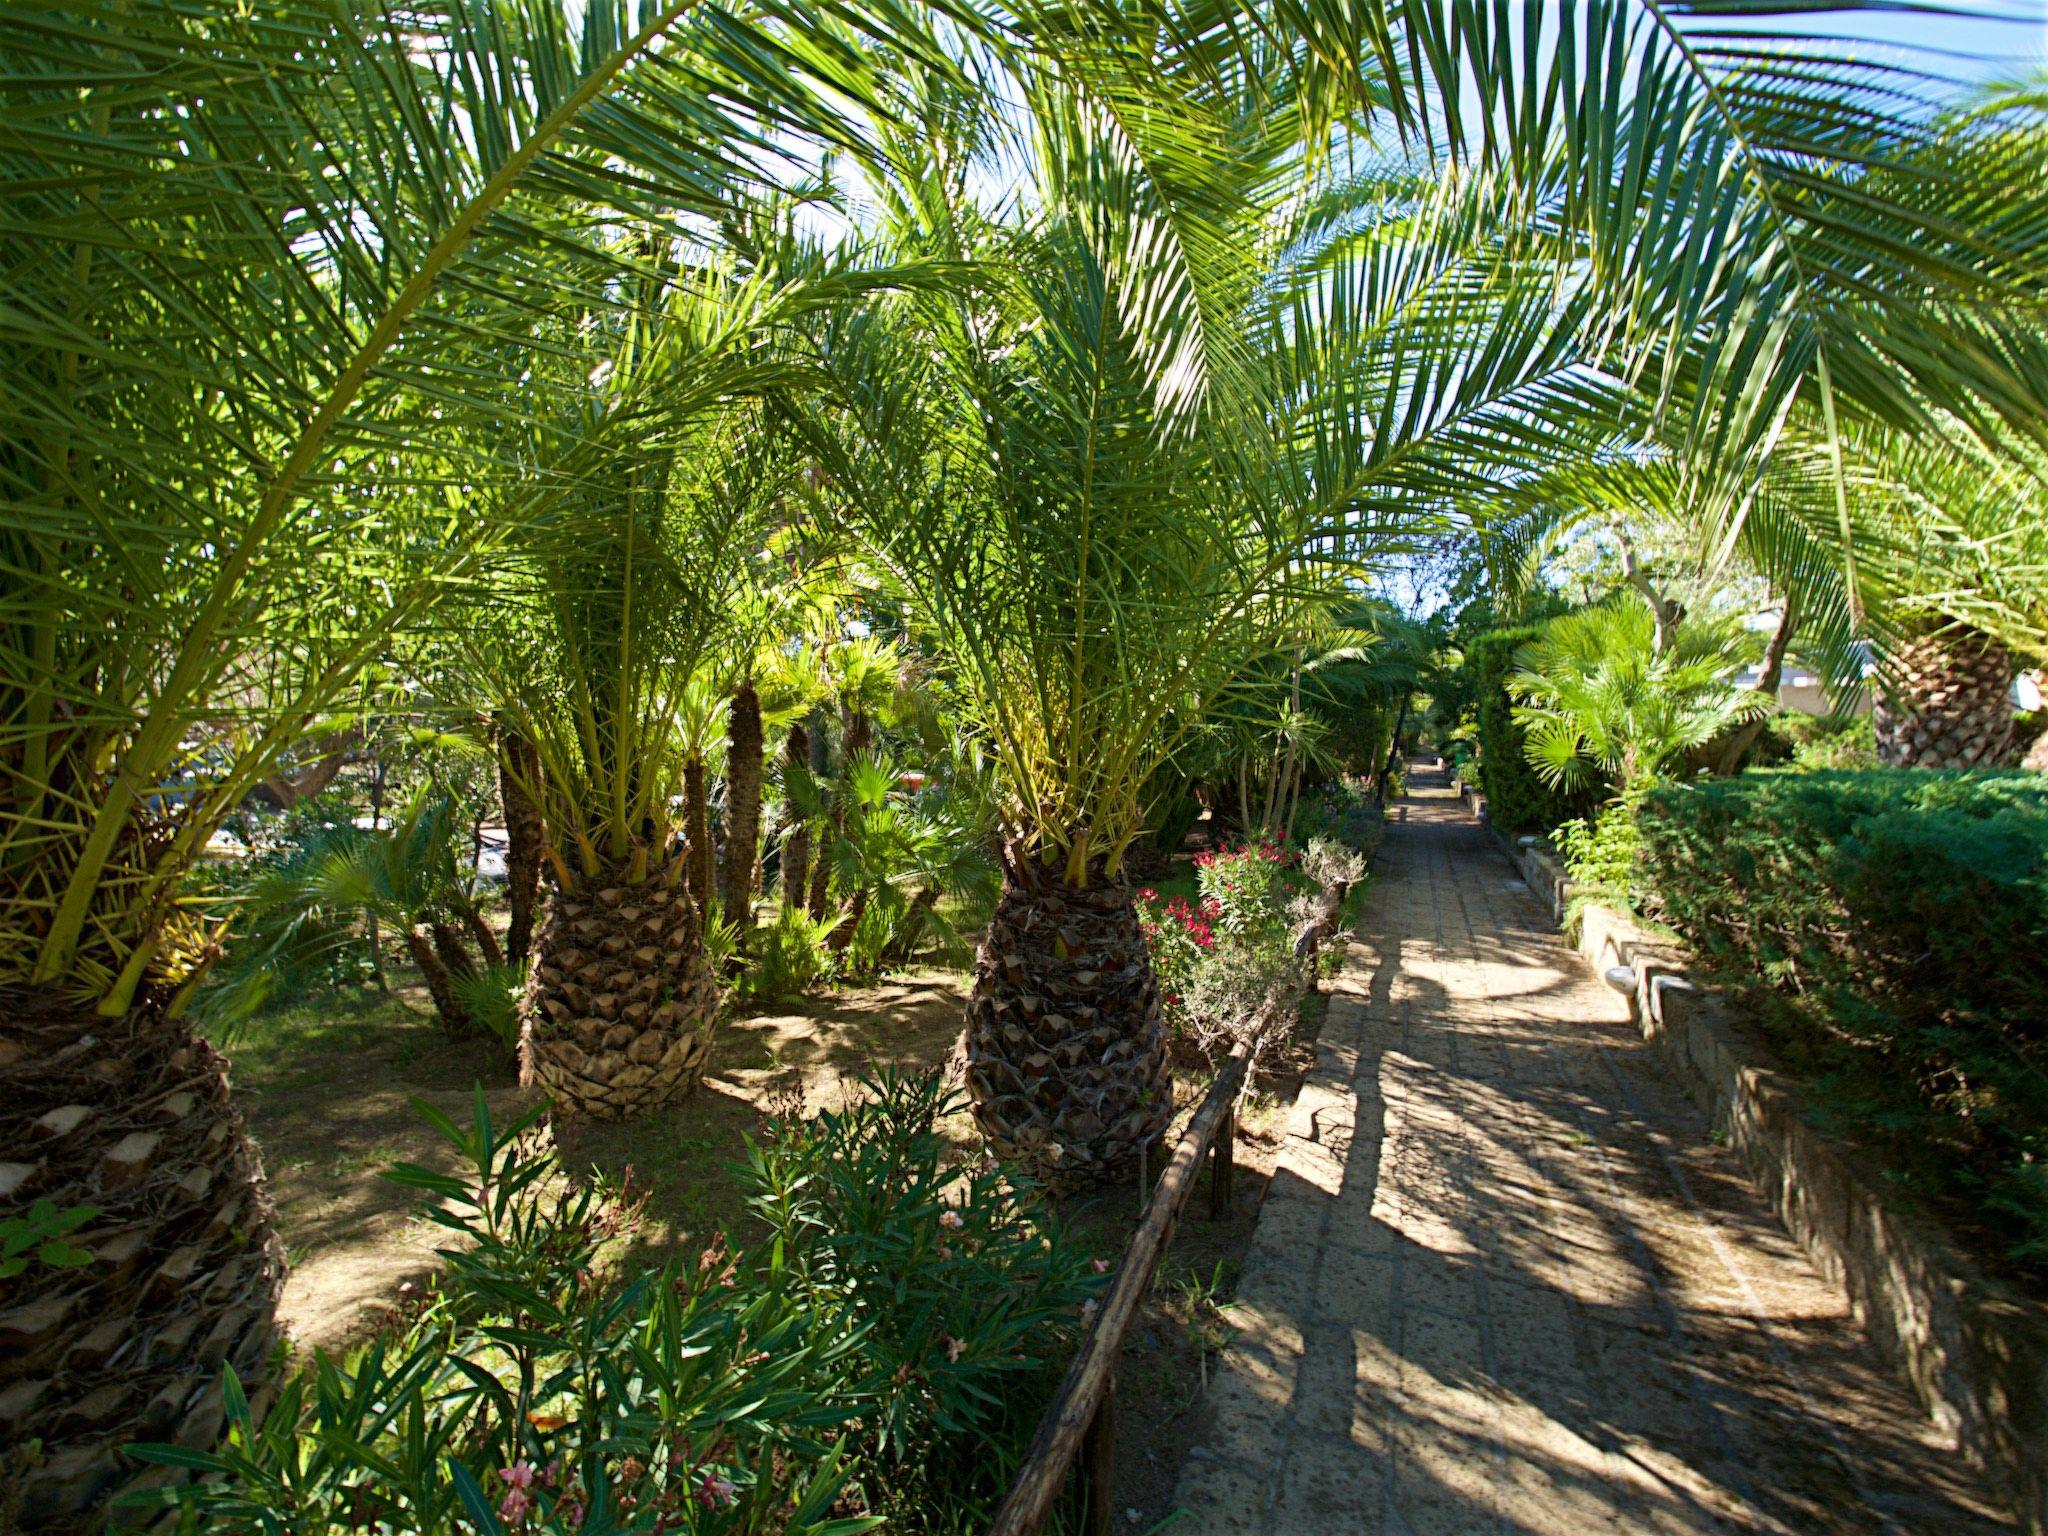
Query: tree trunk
x=743, y=769
x=448, y=945
x=903, y=947
x=525, y=834
x=796, y=837
x=1773, y=671
x=849, y=920
x=697, y=832
x=618, y=1011
x=427, y=955
x=480, y=933
x=130, y=1117
x=1948, y=703
x=338, y=751
x=1393, y=752
x=376, y=933
x=1066, y=1048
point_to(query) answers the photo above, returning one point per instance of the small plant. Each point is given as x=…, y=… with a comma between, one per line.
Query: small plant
x=1602, y=854
x=490, y=996
x=40, y=1238
x=788, y=956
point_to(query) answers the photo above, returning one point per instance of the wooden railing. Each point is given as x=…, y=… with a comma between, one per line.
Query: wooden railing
x=1081, y=1421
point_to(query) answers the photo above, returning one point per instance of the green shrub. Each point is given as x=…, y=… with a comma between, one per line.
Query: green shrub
x=1517, y=800
x=1603, y=856
x=792, y=1388
x=1899, y=921
x=964, y=1295
x=1342, y=813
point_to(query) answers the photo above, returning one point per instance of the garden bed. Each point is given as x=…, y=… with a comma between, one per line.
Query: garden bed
x=328, y=1088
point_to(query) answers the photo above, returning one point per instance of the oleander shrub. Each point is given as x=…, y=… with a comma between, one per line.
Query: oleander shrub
x=1894, y=924
x=1517, y=799
x=897, y=1319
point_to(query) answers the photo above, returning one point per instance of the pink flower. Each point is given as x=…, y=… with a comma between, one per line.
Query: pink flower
x=714, y=1492
x=515, y=1506
x=519, y=1474
x=1100, y=1266
x=952, y=1221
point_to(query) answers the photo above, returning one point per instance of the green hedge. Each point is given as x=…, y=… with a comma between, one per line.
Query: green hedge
x=1516, y=799
x=1899, y=921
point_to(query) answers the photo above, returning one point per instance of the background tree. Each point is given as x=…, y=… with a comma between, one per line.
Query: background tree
x=273, y=275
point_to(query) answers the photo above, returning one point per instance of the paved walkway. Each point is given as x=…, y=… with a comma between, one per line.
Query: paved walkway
x=1504, y=1280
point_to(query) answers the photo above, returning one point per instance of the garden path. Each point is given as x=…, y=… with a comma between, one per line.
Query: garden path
x=1505, y=1281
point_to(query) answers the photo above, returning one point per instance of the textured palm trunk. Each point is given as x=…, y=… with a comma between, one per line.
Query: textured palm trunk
x=618, y=1011
x=1948, y=704
x=697, y=853
x=440, y=981
x=130, y=1117
x=524, y=839
x=1066, y=1048
x=743, y=771
x=480, y=934
x=849, y=921
x=796, y=842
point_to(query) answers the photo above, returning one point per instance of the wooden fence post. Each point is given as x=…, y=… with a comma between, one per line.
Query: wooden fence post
x=1220, y=1159
x=1098, y=1463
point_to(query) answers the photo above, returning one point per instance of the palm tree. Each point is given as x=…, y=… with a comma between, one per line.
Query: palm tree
x=273, y=276
x=315, y=900
x=1098, y=547
x=1606, y=690
x=627, y=578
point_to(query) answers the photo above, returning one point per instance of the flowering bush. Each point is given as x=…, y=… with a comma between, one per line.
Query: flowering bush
x=1246, y=890
x=1219, y=957
x=771, y=1390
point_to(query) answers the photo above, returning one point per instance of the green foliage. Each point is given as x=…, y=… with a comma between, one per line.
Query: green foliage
x=1245, y=891
x=889, y=1321
x=962, y=1293
x=1517, y=799
x=787, y=955
x=1343, y=813
x=39, y=1236
x=1220, y=957
x=1898, y=920
x=1602, y=854
x=1822, y=744
x=1604, y=698
x=490, y=997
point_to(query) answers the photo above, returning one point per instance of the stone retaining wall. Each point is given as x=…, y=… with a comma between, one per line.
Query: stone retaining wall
x=1973, y=1349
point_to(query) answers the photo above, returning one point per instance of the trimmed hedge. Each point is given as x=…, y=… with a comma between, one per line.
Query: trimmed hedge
x=1516, y=799
x=1899, y=922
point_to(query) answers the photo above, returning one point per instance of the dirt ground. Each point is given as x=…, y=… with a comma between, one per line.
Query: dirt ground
x=328, y=1090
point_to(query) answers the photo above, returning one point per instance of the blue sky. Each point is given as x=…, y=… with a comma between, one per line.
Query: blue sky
x=1971, y=43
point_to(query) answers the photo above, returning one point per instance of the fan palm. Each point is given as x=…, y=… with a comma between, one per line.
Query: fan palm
x=1602, y=696
x=294, y=915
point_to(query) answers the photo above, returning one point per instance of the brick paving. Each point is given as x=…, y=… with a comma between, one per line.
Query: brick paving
x=1505, y=1281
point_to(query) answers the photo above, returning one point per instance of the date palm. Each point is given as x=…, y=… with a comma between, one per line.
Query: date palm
x=1098, y=549
x=271, y=278
x=611, y=595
